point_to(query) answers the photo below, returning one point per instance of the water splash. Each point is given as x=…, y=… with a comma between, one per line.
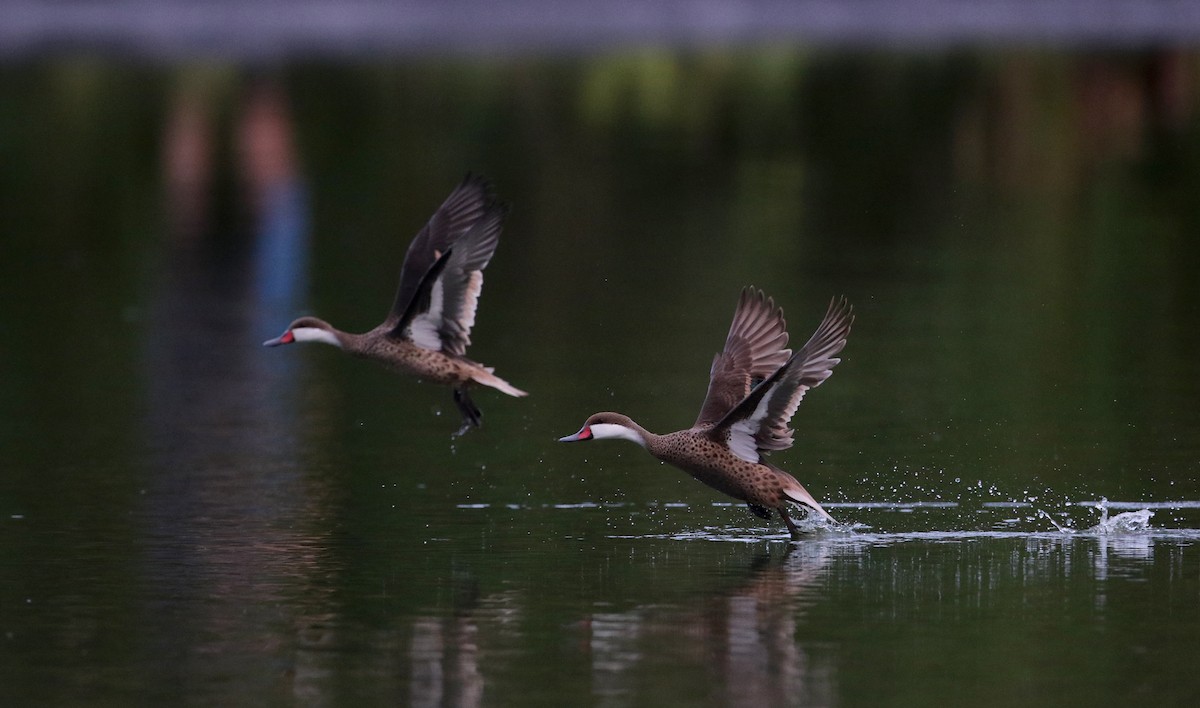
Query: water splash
x=1125, y=522
x=813, y=525
x=1129, y=522
x=1061, y=529
x=868, y=519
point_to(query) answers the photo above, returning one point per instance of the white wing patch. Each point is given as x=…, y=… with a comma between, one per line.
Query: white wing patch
x=423, y=330
x=741, y=438
x=743, y=434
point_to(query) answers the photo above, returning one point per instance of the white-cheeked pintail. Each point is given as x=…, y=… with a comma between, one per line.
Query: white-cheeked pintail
x=754, y=389
x=428, y=330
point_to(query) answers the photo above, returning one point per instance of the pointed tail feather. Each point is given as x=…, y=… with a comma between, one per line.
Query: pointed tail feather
x=485, y=377
x=800, y=495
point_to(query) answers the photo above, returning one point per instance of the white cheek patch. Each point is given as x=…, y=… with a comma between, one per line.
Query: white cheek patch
x=601, y=431
x=313, y=334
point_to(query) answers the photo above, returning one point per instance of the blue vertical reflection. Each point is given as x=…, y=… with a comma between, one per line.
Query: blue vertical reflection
x=281, y=256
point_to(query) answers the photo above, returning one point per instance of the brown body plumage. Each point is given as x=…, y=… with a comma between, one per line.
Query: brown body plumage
x=427, y=332
x=755, y=386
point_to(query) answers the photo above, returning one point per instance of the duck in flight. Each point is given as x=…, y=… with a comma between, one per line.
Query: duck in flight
x=428, y=330
x=755, y=385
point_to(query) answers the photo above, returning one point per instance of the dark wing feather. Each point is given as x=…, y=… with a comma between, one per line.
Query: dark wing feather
x=445, y=304
x=423, y=298
x=754, y=349
x=468, y=202
x=760, y=422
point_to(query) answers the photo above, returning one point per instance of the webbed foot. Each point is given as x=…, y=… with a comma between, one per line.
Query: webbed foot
x=472, y=416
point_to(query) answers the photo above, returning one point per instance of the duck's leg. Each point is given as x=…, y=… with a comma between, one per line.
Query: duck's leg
x=760, y=511
x=790, y=524
x=472, y=416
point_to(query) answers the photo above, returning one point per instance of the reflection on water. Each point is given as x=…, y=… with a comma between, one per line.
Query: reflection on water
x=230, y=526
x=743, y=639
x=772, y=626
x=445, y=663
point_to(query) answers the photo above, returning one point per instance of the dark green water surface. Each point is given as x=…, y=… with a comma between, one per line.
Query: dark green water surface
x=1011, y=443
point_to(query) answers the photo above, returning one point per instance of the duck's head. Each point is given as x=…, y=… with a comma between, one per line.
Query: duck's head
x=306, y=329
x=608, y=425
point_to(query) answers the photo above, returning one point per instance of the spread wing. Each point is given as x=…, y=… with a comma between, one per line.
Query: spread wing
x=466, y=205
x=754, y=349
x=759, y=423
x=442, y=311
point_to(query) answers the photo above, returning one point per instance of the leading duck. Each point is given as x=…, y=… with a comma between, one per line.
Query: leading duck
x=427, y=332
x=755, y=385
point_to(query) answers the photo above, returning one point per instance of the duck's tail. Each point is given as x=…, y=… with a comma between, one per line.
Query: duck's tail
x=483, y=375
x=797, y=493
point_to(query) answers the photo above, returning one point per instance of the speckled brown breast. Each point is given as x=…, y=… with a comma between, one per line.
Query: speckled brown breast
x=715, y=465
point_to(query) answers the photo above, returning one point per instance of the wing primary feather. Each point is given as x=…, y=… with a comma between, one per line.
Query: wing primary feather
x=466, y=205
x=754, y=348
x=462, y=282
x=760, y=422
